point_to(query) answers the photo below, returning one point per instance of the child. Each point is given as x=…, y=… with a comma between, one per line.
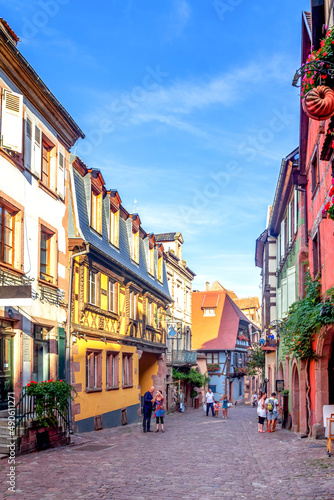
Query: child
x=216, y=409
x=225, y=405
x=159, y=411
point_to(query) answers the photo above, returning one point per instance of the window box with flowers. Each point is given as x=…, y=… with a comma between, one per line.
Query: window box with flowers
x=317, y=80
x=213, y=367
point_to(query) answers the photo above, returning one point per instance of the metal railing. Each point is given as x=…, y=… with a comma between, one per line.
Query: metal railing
x=182, y=357
x=25, y=413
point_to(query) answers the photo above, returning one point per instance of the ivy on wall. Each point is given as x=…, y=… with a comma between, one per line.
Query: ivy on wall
x=305, y=319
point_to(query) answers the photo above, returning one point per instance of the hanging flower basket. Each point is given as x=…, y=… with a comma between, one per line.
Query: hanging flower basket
x=318, y=103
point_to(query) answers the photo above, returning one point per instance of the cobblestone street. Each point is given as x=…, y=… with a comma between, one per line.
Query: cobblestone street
x=197, y=457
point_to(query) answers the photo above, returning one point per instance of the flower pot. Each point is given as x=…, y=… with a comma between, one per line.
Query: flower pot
x=318, y=103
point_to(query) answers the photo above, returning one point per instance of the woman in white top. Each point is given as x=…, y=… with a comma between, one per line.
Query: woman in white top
x=261, y=411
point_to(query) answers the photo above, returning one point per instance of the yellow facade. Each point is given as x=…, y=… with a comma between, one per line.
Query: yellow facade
x=100, y=331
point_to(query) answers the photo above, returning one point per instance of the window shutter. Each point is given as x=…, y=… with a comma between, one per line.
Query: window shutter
x=61, y=172
x=291, y=286
x=284, y=296
x=28, y=128
x=37, y=151
x=282, y=239
x=296, y=211
x=11, y=121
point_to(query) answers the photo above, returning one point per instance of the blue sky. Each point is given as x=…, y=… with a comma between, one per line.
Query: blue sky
x=187, y=108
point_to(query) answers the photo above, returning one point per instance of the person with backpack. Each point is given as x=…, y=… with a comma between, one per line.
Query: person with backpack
x=272, y=412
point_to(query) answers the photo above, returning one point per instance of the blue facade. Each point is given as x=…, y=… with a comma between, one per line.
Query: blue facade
x=221, y=381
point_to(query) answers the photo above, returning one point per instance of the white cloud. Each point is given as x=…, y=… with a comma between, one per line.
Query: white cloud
x=178, y=18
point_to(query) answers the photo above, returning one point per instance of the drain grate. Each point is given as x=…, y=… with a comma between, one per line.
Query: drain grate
x=316, y=446
x=92, y=447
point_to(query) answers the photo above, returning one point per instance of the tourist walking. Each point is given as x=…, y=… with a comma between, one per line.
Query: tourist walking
x=147, y=409
x=272, y=412
x=159, y=411
x=255, y=399
x=181, y=399
x=210, y=399
x=261, y=411
x=225, y=405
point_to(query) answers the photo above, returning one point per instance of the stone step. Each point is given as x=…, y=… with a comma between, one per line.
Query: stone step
x=2, y=455
x=3, y=422
x=3, y=413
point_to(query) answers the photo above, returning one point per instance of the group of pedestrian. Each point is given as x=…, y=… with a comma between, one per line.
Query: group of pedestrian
x=155, y=403
x=267, y=408
x=214, y=405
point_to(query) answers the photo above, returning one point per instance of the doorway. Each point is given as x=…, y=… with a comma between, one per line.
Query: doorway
x=295, y=400
x=6, y=362
x=41, y=363
x=331, y=376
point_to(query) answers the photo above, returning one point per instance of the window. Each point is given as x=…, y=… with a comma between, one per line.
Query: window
x=213, y=388
x=96, y=211
x=127, y=370
x=135, y=246
x=316, y=255
x=209, y=312
x=46, y=164
x=113, y=296
x=314, y=172
x=114, y=227
x=92, y=285
x=160, y=268
x=7, y=226
x=45, y=256
x=94, y=370
x=133, y=305
x=11, y=121
x=212, y=357
x=151, y=261
x=149, y=313
x=41, y=359
x=112, y=375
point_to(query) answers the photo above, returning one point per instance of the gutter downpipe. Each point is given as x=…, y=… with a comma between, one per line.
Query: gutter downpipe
x=68, y=328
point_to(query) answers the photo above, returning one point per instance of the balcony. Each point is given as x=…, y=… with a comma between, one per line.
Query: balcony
x=182, y=357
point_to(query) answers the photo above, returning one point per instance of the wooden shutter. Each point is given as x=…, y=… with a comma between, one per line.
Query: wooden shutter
x=130, y=375
x=28, y=130
x=61, y=353
x=61, y=172
x=296, y=211
x=11, y=121
x=37, y=151
x=291, y=286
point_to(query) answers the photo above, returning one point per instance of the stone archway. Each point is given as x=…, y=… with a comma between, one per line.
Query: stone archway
x=323, y=378
x=295, y=399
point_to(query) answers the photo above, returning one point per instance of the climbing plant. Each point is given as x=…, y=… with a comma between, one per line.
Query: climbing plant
x=192, y=377
x=256, y=361
x=305, y=319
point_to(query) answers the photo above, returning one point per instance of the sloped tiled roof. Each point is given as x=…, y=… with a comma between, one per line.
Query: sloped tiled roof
x=210, y=300
x=81, y=192
x=247, y=303
x=217, y=332
x=218, y=286
x=165, y=237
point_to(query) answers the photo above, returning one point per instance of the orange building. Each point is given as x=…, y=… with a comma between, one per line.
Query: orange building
x=222, y=332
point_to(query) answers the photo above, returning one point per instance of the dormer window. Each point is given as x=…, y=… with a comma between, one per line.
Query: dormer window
x=114, y=227
x=135, y=246
x=209, y=312
x=160, y=262
x=115, y=202
x=96, y=211
x=135, y=238
x=151, y=246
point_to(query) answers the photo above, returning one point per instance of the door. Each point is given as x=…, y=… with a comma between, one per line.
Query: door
x=6, y=367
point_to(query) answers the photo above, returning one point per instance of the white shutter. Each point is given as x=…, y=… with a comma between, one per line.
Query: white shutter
x=291, y=285
x=289, y=228
x=61, y=172
x=53, y=169
x=296, y=211
x=284, y=296
x=278, y=251
x=28, y=130
x=279, y=303
x=282, y=239
x=11, y=121
x=37, y=151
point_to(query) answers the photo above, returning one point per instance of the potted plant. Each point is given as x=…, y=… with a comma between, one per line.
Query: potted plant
x=213, y=367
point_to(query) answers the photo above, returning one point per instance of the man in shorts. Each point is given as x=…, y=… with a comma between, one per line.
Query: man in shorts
x=272, y=412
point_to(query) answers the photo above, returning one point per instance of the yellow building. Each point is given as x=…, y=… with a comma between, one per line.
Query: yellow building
x=118, y=307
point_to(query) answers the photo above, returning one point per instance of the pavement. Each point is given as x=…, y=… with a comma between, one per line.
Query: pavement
x=197, y=457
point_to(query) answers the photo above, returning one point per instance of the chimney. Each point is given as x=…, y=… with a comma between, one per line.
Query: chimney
x=207, y=286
